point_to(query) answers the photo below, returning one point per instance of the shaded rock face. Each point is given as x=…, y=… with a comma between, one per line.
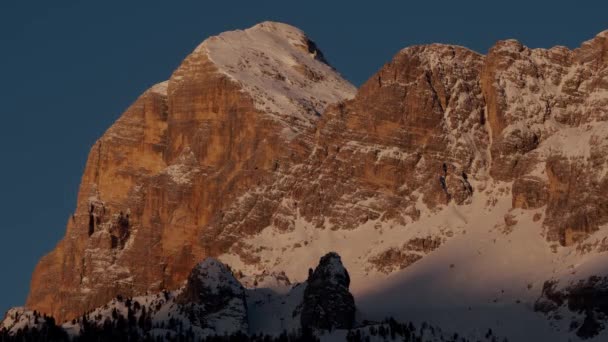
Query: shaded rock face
x=327, y=303
x=588, y=297
x=210, y=281
x=243, y=137
x=212, y=291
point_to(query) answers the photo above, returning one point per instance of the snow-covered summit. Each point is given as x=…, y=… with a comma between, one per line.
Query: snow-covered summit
x=281, y=68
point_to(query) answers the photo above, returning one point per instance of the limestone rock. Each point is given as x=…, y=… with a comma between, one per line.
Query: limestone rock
x=213, y=297
x=327, y=303
x=156, y=185
x=588, y=297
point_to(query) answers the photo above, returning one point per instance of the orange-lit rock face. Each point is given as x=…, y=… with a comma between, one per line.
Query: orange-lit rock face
x=160, y=176
x=118, y=168
x=240, y=139
x=393, y=140
x=547, y=111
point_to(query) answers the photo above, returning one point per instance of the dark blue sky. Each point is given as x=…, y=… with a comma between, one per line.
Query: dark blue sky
x=69, y=68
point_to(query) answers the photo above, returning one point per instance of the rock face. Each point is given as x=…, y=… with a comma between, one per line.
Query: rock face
x=153, y=195
x=547, y=111
x=588, y=297
x=398, y=140
x=212, y=298
x=255, y=130
x=327, y=303
x=413, y=250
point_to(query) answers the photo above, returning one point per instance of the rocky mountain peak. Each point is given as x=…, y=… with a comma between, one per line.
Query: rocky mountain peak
x=594, y=50
x=507, y=46
x=294, y=35
x=210, y=278
x=280, y=68
x=330, y=270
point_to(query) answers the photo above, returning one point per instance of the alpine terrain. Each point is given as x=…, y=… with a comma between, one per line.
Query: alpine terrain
x=464, y=193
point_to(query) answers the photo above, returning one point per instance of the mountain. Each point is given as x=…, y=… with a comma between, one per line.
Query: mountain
x=156, y=183
x=460, y=189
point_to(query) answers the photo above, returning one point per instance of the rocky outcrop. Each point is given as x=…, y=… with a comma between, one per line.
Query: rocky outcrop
x=255, y=130
x=393, y=259
x=588, y=298
x=327, y=303
x=212, y=297
x=413, y=250
x=544, y=109
x=529, y=193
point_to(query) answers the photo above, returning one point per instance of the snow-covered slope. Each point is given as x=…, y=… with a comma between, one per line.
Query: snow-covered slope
x=282, y=70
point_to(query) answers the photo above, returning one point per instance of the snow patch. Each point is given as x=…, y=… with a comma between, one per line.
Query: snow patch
x=184, y=168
